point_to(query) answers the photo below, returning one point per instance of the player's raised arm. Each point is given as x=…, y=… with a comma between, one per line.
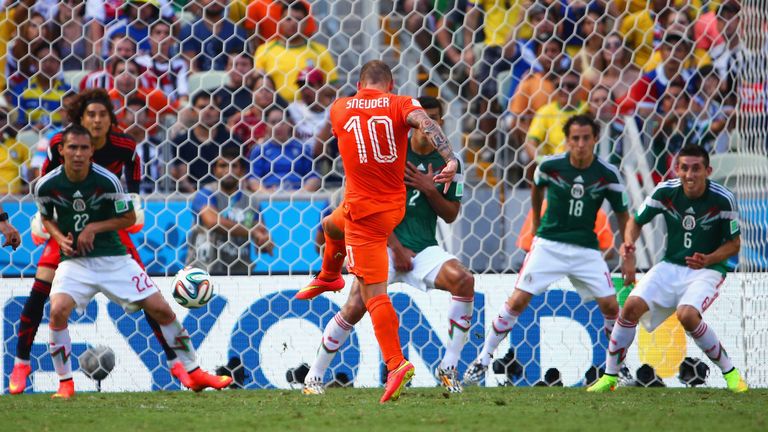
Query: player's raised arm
x=420, y=120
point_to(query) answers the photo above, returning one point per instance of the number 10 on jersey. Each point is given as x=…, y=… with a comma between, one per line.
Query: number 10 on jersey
x=382, y=152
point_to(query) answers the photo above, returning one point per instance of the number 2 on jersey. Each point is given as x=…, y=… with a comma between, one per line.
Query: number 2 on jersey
x=381, y=153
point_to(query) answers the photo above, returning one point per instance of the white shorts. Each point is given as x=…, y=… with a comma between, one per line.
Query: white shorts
x=549, y=261
x=667, y=286
x=426, y=266
x=120, y=278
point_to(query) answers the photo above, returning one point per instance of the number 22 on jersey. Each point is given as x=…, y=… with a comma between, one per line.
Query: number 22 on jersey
x=382, y=152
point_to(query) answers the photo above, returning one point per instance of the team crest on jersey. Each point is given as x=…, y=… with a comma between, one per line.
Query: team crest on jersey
x=78, y=205
x=577, y=190
x=689, y=222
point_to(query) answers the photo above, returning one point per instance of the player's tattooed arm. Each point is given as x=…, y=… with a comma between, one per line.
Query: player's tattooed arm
x=420, y=120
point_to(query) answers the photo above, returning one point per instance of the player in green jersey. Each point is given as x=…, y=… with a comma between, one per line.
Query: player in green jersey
x=565, y=244
x=415, y=259
x=90, y=206
x=702, y=233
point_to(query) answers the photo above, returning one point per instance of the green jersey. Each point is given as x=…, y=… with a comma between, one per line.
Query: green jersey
x=418, y=228
x=693, y=225
x=74, y=205
x=574, y=196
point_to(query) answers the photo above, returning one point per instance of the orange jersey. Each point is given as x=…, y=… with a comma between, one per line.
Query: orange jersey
x=372, y=132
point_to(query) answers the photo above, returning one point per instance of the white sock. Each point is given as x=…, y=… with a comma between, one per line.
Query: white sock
x=178, y=339
x=622, y=336
x=609, y=322
x=460, y=319
x=335, y=334
x=707, y=340
x=18, y=361
x=60, y=348
x=500, y=327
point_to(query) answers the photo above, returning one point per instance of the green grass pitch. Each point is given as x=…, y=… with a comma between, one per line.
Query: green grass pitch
x=478, y=409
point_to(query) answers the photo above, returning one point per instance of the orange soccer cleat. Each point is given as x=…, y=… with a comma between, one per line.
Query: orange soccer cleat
x=200, y=380
x=66, y=389
x=396, y=381
x=19, y=378
x=319, y=286
x=181, y=374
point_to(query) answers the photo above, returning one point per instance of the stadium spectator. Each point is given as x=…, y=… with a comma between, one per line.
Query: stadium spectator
x=206, y=42
x=432, y=24
x=537, y=87
x=39, y=97
x=614, y=67
x=129, y=85
x=199, y=146
x=42, y=146
x=545, y=135
x=675, y=131
x=643, y=30
x=282, y=162
x=226, y=221
x=310, y=114
x=717, y=32
x=504, y=51
x=592, y=30
x=14, y=159
x=68, y=33
x=263, y=17
x=12, y=18
x=711, y=109
x=138, y=16
x=291, y=51
x=679, y=20
x=248, y=126
x=237, y=95
x=31, y=33
x=602, y=107
x=121, y=48
x=648, y=90
x=133, y=121
x=171, y=71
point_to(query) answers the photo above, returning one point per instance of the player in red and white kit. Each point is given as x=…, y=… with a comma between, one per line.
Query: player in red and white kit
x=372, y=130
x=116, y=152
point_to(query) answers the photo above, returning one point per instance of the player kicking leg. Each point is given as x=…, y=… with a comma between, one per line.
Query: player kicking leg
x=432, y=268
x=702, y=233
x=329, y=278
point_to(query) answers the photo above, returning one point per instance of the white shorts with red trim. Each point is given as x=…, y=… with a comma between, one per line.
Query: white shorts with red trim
x=549, y=261
x=667, y=286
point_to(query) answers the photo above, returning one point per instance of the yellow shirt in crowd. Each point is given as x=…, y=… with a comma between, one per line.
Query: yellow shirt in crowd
x=283, y=64
x=547, y=127
x=14, y=157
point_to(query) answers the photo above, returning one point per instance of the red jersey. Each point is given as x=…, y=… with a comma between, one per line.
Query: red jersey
x=118, y=156
x=372, y=132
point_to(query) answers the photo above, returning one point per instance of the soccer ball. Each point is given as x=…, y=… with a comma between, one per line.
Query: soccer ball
x=192, y=287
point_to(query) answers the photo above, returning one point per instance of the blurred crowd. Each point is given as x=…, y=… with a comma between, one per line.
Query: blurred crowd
x=523, y=67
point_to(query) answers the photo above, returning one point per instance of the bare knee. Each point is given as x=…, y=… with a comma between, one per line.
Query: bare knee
x=45, y=274
x=689, y=317
x=609, y=307
x=157, y=308
x=519, y=300
x=353, y=311
x=331, y=229
x=456, y=279
x=633, y=309
x=61, y=308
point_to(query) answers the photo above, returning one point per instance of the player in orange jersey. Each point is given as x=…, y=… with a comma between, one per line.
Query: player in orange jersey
x=372, y=131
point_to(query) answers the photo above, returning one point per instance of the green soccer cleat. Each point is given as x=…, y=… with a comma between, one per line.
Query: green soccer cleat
x=606, y=383
x=735, y=383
